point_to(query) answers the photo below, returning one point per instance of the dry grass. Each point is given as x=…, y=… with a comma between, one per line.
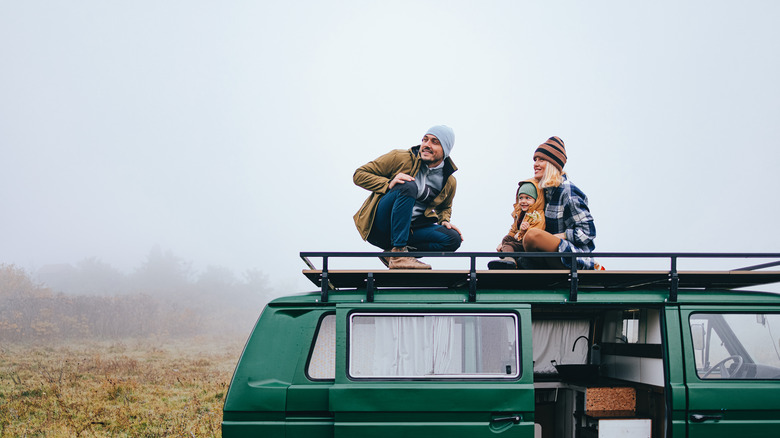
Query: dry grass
x=135, y=388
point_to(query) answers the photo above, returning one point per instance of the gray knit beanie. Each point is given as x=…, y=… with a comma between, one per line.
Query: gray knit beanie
x=446, y=137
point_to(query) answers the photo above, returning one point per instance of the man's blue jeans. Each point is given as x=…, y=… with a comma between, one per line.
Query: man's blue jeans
x=393, y=225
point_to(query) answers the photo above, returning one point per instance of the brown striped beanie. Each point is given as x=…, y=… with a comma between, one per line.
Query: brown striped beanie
x=552, y=151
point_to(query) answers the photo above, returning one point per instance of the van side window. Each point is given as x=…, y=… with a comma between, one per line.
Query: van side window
x=433, y=346
x=736, y=345
x=322, y=364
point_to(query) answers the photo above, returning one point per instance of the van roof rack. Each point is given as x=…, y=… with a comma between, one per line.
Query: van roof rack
x=573, y=279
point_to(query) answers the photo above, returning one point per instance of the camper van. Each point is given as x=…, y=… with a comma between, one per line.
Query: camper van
x=474, y=353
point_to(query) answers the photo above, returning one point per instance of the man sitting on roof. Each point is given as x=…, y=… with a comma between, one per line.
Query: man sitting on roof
x=411, y=199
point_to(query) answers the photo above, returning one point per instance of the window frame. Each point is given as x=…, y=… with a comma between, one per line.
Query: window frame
x=713, y=327
x=313, y=346
x=518, y=365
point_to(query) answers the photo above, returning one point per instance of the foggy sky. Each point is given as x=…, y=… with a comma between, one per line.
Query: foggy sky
x=228, y=132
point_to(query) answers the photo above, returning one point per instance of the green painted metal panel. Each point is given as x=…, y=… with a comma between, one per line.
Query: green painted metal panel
x=462, y=429
x=674, y=371
x=307, y=428
x=308, y=398
x=454, y=397
x=265, y=396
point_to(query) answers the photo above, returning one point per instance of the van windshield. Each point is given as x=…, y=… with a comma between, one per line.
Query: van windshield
x=433, y=346
x=736, y=345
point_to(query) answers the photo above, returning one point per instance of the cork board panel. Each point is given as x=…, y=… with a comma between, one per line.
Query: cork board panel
x=610, y=399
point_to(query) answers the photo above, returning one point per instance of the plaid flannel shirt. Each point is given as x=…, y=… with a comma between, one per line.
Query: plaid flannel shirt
x=567, y=212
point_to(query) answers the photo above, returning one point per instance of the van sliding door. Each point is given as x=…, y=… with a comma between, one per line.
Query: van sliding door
x=438, y=372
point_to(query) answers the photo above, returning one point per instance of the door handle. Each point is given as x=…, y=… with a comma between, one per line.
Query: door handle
x=700, y=418
x=514, y=419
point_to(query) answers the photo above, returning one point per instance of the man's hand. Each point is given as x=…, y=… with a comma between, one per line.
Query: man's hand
x=452, y=227
x=400, y=179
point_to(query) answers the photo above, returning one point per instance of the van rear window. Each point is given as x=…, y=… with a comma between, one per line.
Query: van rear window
x=322, y=365
x=424, y=346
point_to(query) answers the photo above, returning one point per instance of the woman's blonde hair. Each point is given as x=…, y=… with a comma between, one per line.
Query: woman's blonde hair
x=551, y=176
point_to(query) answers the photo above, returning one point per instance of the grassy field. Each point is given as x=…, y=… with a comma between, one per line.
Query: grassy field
x=134, y=388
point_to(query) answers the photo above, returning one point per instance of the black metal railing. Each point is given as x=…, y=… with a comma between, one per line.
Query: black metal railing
x=673, y=272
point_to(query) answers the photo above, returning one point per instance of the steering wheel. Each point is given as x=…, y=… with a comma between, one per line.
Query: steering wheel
x=725, y=372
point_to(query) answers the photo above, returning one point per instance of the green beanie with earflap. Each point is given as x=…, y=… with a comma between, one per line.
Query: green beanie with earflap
x=527, y=188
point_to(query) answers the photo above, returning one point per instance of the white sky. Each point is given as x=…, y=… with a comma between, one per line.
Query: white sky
x=228, y=132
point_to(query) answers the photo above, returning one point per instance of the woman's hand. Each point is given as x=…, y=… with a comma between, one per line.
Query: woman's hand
x=524, y=226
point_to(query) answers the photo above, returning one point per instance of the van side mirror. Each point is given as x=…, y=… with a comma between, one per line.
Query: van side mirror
x=697, y=333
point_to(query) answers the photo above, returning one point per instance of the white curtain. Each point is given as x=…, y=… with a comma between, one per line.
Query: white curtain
x=414, y=346
x=554, y=339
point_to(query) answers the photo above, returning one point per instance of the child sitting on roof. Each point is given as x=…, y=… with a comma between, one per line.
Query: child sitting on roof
x=528, y=213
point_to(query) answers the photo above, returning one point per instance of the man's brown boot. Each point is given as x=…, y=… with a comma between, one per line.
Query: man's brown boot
x=385, y=260
x=406, y=262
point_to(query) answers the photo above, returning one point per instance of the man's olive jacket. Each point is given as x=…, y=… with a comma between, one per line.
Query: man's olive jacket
x=376, y=176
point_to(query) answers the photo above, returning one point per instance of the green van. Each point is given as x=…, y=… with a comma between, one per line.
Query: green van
x=523, y=353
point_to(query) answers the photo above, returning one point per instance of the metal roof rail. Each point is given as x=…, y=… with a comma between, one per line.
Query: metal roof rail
x=328, y=279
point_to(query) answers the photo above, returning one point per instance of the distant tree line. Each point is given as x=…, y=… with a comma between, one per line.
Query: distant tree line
x=163, y=297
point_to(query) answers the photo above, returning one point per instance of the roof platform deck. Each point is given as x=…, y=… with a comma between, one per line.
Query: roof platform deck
x=573, y=279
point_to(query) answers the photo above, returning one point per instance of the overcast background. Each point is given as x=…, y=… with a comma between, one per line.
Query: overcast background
x=227, y=132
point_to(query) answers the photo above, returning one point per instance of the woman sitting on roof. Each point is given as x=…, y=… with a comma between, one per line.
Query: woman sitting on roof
x=569, y=225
